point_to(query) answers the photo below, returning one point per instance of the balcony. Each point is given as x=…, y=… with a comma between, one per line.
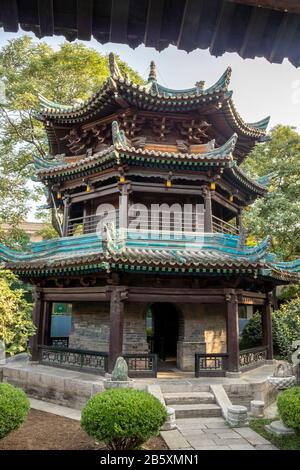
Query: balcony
x=175, y=224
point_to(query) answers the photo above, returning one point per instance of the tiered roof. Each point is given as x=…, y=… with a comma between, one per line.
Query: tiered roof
x=203, y=254
x=118, y=93
x=206, y=254
x=122, y=152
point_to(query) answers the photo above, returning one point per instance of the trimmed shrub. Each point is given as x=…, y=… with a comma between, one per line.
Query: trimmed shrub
x=14, y=408
x=286, y=329
x=288, y=403
x=123, y=418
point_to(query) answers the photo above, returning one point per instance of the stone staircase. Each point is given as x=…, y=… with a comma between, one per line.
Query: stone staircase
x=193, y=404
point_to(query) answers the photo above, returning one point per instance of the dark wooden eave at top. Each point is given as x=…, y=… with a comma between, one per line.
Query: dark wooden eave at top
x=263, y=28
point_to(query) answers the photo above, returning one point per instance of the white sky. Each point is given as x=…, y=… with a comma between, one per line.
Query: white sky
x=259, y=88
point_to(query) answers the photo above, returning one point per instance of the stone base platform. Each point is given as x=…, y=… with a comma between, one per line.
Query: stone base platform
x=71, y=388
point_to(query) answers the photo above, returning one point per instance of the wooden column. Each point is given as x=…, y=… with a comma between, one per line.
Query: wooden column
x=207, y=210
x=239, y=221
x=37, y=318
x=232, y=333
x=46, y=329
x=266, y=320
x=116, y=327
x=123, y=207
x=67, y=206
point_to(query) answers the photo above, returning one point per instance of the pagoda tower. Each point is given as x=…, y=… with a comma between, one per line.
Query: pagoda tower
x=147, y=192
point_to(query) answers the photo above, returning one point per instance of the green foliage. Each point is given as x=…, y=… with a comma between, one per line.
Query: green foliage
x=288, y=403
x=285, y=326
x=123, y=418
x=289, y=292
x=15, y=314
x=70, y=73
x=278, y=214
x=14, y=408
x=282, y=442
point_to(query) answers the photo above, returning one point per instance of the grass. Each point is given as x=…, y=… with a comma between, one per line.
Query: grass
x=282, y=443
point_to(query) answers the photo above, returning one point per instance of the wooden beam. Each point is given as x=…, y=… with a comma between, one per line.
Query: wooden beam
x=292, y=6
x=75, y=297
x=174, y=298
x=254, y=33
x=284, y=38
x=153, y=23
x=9, y=15
x=222, y=30
x=46, y=19
x=223, y=202
x=84, y=19
x=179, y=291
x=119, y=21
x=84, y=196
x=187, y=38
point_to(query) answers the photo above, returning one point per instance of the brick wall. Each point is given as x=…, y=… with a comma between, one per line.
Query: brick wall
x=202, y=328
x=135, y=334
x=90, y=326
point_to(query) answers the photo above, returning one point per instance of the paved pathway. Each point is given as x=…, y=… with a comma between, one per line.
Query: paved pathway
x=55, y=409
x=191, y=433
x=213, y=434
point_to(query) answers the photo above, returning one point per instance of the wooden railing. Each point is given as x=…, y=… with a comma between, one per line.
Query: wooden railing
x=220, y=226
x=141, y=365
x=176, y=224
x=253, y=357
x=75, y=359
x=210, y=364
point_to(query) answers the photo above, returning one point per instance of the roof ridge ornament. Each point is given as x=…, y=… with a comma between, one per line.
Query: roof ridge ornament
x=113, y=67
x=152, y=74
x=118, y=135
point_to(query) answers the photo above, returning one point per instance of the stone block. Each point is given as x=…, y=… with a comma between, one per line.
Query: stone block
x=237, y=416
x=279, y=429
x=171, y=420
x=257, y=408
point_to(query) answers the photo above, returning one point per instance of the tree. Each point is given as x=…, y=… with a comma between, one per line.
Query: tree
x=285, y=327
x=16, y=325
x=27, y=68
x=278, y=214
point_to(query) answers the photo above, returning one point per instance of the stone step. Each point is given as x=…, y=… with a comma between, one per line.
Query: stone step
x=189, y=398
x=182, y=386
x=203, y=410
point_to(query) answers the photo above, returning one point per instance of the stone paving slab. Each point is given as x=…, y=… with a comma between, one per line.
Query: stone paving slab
x=174, y=439
x=228, y=435
x=253, y=437
x=199, y=442
x=215, y=434
x=213, y=448
x=266, y=447
x=241, y=447
x=230, y=441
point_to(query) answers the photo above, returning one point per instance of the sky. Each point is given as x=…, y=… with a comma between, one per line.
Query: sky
x=260, y=89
